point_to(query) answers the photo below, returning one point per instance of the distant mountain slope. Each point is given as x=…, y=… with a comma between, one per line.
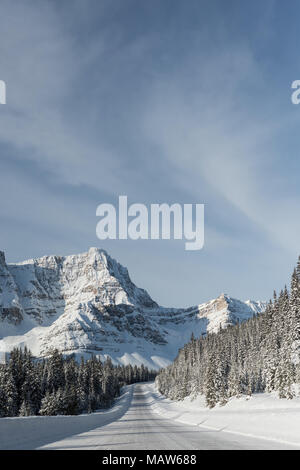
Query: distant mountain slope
x=87, y=304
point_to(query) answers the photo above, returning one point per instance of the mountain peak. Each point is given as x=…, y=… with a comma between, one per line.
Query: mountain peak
x=95, y=250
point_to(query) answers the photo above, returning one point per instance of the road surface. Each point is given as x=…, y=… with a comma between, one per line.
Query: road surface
x=141, y=428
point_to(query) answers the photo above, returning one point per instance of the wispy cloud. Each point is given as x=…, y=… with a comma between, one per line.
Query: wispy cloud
x=165, y=103
x=204, y=121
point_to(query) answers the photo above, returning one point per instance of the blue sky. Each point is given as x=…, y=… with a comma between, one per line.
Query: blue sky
x=164, y=101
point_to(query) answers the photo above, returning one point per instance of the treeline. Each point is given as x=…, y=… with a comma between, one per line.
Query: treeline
x=262, y=354
x=59, y=385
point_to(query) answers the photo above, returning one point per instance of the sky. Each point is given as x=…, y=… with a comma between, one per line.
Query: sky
x=163, y=101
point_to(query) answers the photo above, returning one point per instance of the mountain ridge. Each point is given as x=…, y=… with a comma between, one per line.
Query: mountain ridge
x=87, y=304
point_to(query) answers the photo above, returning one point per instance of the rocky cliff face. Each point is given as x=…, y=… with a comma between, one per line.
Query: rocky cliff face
x=10, y=307
x=87, y=304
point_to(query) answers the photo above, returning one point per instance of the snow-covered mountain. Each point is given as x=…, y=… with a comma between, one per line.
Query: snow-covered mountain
x=87, y=304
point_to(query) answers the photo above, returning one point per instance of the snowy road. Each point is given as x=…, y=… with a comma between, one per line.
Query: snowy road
x=141, y=428
x=131, y=424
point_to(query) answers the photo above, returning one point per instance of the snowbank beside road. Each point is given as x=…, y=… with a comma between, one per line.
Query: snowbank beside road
x=36, y=431
x=262, y=415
